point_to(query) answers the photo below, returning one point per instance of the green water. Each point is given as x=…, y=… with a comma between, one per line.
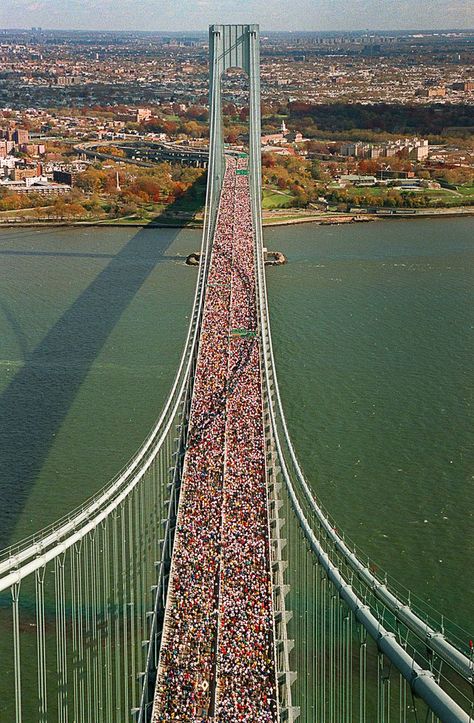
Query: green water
x=373, y=332
x=92, y=323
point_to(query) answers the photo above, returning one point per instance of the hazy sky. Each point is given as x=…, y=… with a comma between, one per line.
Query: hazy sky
x=271, y=14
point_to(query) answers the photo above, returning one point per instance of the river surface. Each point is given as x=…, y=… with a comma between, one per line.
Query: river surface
x=373, y=331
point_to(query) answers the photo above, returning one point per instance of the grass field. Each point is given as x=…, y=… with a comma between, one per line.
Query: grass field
x=275, y=199
x=467, y=191
x=369, y=191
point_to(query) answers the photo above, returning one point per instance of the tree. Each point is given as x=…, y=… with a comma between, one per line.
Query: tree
x=59, y=207
x=111, y=151
x=129, y=209
x=229, y=109
x=231, y=136
x=93, y=206
x=92, y=181
x=315, y=170
x=12, y=201
x=369, y=167
x=197, y=112
x=73, y=210
x=192, y=128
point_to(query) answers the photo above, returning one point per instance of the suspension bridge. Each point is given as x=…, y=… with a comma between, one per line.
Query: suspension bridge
x=206, y=581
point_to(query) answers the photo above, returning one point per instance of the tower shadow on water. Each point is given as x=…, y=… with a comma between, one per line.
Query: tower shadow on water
x=35, y=403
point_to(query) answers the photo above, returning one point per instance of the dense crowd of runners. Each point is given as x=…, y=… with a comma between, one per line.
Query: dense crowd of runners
x=217, y=656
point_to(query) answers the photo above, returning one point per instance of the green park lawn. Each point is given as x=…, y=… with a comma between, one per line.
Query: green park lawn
x=275, y=199
x=467, y=191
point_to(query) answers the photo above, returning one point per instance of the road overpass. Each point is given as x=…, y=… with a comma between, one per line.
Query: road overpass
x=141, y=153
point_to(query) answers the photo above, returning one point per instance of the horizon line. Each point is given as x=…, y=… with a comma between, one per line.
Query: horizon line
x=205, y=30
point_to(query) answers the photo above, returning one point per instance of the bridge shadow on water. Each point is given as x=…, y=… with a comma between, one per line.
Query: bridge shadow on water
x=34, y=405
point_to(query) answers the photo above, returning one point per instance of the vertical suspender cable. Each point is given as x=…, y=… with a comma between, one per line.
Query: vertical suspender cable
x=87, y=627
x=61, y=638
x=99, y=584
x=107, y=629
x=403, y=699
x=140, y=556
x=137, y=579
x=41, y=645
x=74, y=634
x=362, y=675
x=379, y=688
x=313, y=613
x=306, y=641
x=79, y=550
x=349, y=682
x=93, y=633
x=132, y=600
x=117, y=612
x=15, y=592
x=144, y=551
x=324, y=584
x=388, y=693
x=317, y=646
x=331, y=654
x=341, y=644
x=125, y=586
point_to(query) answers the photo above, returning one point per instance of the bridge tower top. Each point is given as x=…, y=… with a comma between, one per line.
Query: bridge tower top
x=234, y=46
x=230, y=47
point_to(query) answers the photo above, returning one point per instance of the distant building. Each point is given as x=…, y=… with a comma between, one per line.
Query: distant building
x=294, y=137
x=20, y=173
x=20, y=136
x=416, y=148
x=35, y=185
x=33, y=149
x=466, y=86
x=142, y=114
x=354, y=150
x=357, y=180
x=65, y=177
x=374, y=152
x=282, y=137
x=439, y=92
x=420, y=150
x=278, y=150
x=66, y=80
x=135, y=115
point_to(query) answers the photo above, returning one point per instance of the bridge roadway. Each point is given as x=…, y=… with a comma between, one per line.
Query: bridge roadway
x=218, y=654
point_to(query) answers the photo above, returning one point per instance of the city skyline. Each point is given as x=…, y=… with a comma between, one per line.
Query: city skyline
x=176, y=15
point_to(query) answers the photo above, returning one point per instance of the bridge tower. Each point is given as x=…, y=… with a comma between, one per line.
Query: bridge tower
x=234, y=46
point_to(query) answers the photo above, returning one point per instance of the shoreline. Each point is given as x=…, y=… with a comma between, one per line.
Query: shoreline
x=329, y=220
